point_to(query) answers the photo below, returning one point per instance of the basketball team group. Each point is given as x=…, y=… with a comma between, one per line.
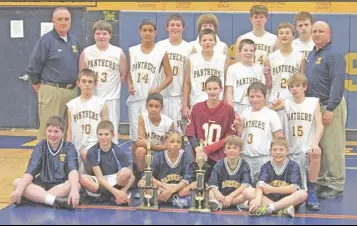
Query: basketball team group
x=269, y=122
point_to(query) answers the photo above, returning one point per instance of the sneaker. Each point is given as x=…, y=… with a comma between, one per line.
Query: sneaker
x=263, y=210
x=289, y=211
x=312, y=202
x=330, y=193
x=62, y=203
x=243, y=205
x=181, y=202
x=215, y=205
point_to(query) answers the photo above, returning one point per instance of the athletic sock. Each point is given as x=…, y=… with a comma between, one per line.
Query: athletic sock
x=50, y=199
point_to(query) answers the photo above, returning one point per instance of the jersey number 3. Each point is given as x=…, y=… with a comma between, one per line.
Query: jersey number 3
x=212, y=133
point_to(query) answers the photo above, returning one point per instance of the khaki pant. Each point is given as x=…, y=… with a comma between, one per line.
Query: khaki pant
x=333, y=143
x=52, y=102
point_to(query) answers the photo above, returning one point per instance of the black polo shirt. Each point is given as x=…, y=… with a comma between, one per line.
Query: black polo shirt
x=54, y=60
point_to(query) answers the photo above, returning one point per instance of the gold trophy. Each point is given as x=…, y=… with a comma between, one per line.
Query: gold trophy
x=148, y=192
x=200, y=194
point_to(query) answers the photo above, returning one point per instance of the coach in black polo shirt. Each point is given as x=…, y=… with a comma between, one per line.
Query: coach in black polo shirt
x=326, y=71
x=53, y=68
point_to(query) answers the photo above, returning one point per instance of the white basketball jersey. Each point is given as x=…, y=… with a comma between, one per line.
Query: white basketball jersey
x=157, y=133
x=86, y=115
x=300, y=123
x=258, y=129
x=264, y=45
x=240, y=77
x=303, y=47
x=106, y=65
x=145, y=70
x=218, y=48
x=282, y=68
x=178, y=55
x=201, y=70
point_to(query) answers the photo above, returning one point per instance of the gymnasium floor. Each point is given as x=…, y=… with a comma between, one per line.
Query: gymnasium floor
x=15, y=149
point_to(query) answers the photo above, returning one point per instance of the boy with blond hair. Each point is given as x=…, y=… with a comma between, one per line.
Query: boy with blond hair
x=279, y=186
x=304, y=132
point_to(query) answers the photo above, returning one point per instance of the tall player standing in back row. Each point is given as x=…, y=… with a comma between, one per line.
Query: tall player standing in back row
x=146, y=62
x=209, y=21
x=179, y=51
x=265, y=42
x=201, y=66
x=109, y=63
x=283, y=63
x=303, y=23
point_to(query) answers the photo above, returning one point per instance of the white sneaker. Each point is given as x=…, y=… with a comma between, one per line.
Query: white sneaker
x=215, y=205
x=181, y=202
x=243, y=205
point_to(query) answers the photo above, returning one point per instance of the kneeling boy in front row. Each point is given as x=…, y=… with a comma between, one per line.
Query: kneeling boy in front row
x=279, y=186
x=172, y=172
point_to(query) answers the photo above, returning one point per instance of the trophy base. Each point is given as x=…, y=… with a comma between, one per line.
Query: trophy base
x=151, y=208
x=196, y=210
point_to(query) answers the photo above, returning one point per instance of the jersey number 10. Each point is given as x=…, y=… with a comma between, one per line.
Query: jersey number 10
x=212, y=133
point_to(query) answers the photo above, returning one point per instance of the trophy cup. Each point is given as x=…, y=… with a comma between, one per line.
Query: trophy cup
x=200, y=194
x=148, y=192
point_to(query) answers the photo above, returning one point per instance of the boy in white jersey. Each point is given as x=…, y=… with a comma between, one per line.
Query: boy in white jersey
x=240, y=75
x=146, y=62
x=152, y=125
x=303, y=23
x=283, y=63
x=179, y=51
x=199, y=67
x=84, y=114
x=258, y=127
x=305, y=129
x=109, y=63
x=209, y=21
x=265, y=42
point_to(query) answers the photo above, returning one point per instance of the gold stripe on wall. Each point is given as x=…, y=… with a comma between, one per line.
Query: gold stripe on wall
x=314, y=7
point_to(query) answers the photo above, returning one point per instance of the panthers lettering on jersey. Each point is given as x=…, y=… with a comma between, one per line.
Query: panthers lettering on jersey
x=301, y=122
x=157, y=133
x=303, y=47
x=106, y=65
x=173, y=172
x=85, y=117
x=264, y=45
x=282, y=68
x=145, y=70
x=240, y=77
x=227, y=180
x=201, y=70
x=282, y=176
x=178, y=55
x=258, y=129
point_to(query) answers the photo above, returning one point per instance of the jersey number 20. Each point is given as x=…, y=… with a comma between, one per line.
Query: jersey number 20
x=212, y=132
